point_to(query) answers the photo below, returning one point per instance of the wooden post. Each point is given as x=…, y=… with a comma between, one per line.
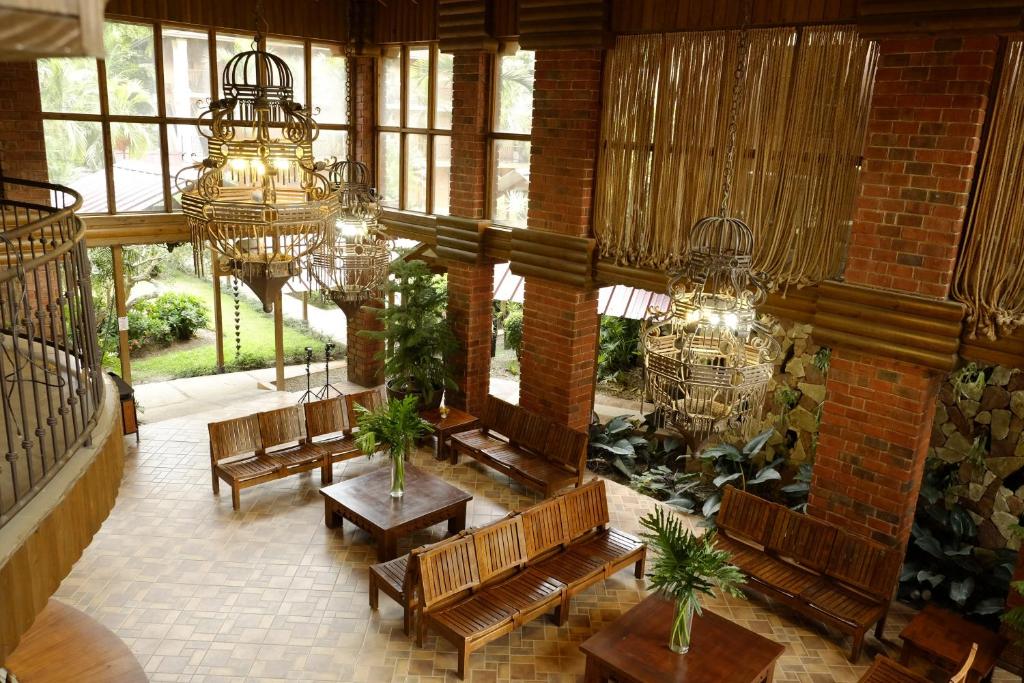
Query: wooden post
x=124, y=351
x=218, y=313
x=279, y=339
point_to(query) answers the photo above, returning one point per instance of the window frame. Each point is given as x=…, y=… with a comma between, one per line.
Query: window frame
x=494, y=136
x=162, y=121
x=404, y=130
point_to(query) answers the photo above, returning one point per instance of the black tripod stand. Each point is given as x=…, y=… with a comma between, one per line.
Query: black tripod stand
x=309, y=395
x=327, y=388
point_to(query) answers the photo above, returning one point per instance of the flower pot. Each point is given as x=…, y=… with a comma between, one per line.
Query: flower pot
x=682, y=627
x=397, y=476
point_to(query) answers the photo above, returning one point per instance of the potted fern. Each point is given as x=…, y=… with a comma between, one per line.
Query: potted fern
x=393, y=428
x=685, y=568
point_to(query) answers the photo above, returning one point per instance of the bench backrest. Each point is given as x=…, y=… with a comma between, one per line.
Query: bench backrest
x=567, y=447
x=586, y=508
x=371, y=399
x=448, y=570
x=282, y=426
x=328, y=416
x=744, y=515
x=545, y=526
x=864, y=564
x=506, y=418
x=805, y=539
x=532, y=431
x=500, y=548
x=234, y=437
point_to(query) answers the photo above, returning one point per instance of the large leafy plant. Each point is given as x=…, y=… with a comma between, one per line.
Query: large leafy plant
x=740, y=467
x=619, y=350
x=419, y=338
x=628, y=446
x=394, y=428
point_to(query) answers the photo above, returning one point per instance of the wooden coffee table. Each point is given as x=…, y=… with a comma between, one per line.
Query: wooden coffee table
x=634, y=649
x=366, y=502
x=456, y=421
x=944, y=639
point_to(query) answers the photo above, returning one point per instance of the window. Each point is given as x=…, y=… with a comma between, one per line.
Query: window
x=414, y=122
x=119, y=138
x=510, y=138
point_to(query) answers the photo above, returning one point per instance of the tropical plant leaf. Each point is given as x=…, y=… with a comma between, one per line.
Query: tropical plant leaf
x=765, y=474
x=623, y=467
x=711, y=505
x=723, y=479
x=959, y=591
x=925, y=576
x=754, y=446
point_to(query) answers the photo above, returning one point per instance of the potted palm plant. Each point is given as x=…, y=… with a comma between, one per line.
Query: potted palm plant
x=417, y=336
x=393, y=428
x=686, y=567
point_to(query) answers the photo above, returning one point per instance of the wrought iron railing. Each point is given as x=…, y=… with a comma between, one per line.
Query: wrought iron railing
x=50, y=379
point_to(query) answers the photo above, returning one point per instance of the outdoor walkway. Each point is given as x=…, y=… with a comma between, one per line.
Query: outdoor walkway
x=201, y=593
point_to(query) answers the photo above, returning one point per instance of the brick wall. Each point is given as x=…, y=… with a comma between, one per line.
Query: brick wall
x=364, y=368
x=22, y=146
x=471, y=83
x=924, y=134
x=470, y=292
x=560, y=323
x=923, y=138
x=364, y=118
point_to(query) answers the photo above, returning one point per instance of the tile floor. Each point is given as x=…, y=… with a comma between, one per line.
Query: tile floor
x=201, y=593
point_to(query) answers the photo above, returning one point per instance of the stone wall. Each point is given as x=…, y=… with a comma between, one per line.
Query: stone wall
x=796, y=393
x=979, y=425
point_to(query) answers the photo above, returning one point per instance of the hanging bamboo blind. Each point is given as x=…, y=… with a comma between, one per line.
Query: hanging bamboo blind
x=989, y=277
x=800, y=129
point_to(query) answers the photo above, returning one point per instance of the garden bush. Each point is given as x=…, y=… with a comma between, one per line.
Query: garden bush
x=619, y=350
x=167, y=318
x=514, y=332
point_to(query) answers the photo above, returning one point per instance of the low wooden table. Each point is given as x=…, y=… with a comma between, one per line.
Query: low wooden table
x=944, y=639
x=634, y=649
x=366, y=502
x=456, y=421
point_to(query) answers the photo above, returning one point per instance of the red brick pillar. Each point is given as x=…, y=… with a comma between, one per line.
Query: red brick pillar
x=365, y=368
x=365, y=94
x=470, y=286
x=22, y=145
x=560, y=322
x=924, y=133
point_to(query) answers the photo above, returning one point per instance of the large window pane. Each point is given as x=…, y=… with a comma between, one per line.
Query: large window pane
x=138, y=174
x=416, y=173
x=418, y=82
x=329, y=81
x=331, y=145
x=131, y=69
x=442, y=173
x=388, y=174
x=69, y=85
x=185, y=147
x=443, y=91
x=515, y=93
x=186, y=71
x=228, y=46
x=511, y=193
x=389, y=106
x=294, y=55
x=74, y=157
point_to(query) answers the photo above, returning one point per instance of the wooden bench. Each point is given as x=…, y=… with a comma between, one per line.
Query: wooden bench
x=885, y=670
x=236, y=456
x=540, y=454
x=283, y=433
x=331, y=424
x=818, y=569
x=480, y=585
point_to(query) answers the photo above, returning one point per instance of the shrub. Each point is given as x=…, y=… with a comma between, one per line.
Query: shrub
x=167, y=318
x=145, y=329
x=619, y=349
x=514, y=332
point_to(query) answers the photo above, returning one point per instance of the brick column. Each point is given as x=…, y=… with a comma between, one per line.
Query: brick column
x=22, y=144
x=470, y=286
x=924, y=133
x=365, y=94
x=364, y=366
x=560, y=322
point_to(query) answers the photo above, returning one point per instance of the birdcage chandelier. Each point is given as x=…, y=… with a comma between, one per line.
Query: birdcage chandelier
x=709, y=357
x=259, y=199
x=353, y=266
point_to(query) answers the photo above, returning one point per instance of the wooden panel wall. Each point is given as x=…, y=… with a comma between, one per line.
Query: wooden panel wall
x=658, y=16
x=325, y=20
x=401, y=21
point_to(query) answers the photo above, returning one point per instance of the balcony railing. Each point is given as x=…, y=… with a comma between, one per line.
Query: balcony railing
x=50, y=377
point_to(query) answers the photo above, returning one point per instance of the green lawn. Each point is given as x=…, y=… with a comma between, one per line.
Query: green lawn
x=257, y=339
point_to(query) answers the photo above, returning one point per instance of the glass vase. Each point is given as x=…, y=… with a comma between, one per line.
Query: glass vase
x=682, y=627
x=397, y=475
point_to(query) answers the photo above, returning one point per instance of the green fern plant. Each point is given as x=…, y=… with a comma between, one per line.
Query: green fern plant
x=686, y=567
x=394, y=428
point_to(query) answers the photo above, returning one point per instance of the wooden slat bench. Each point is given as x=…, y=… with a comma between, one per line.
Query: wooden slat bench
x=885, y=670
x=331, y=424
x=283, y=433
x=540, y=454
x=236, y=456
x=818, y=569
x=480, y=585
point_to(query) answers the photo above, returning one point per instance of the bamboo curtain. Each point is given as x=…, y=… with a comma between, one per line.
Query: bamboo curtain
x=801, y=126
x=990, y=278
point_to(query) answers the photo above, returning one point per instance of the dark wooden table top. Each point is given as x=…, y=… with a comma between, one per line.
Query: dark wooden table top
x=456, y=418
x=947, y=637
x=636, y=646
x=369, y=496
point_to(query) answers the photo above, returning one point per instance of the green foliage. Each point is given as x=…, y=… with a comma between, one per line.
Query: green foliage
x=666, y=484
x=619, y=349
x=393, y=427
x=822, y=359
x=800, y=489
x=687, y=567
x=167, y=318
x=417, y=335
x=944, y=563
x=619, y=446
x=786, y=398
x=513, y=326
x=968, y=382
x=739, y=467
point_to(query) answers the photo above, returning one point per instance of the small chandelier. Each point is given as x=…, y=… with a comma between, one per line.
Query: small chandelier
x=353, y=266
x=708, y=359
x=259, y=199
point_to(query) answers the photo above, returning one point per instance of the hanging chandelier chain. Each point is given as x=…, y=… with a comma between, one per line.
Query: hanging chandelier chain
x=259, y=20
x=354, y=26
x=739, y=76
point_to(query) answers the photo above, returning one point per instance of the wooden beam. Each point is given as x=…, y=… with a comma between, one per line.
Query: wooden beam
x=121, y=305
x=103, y=230
x=279, y=340
x=218, y=313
